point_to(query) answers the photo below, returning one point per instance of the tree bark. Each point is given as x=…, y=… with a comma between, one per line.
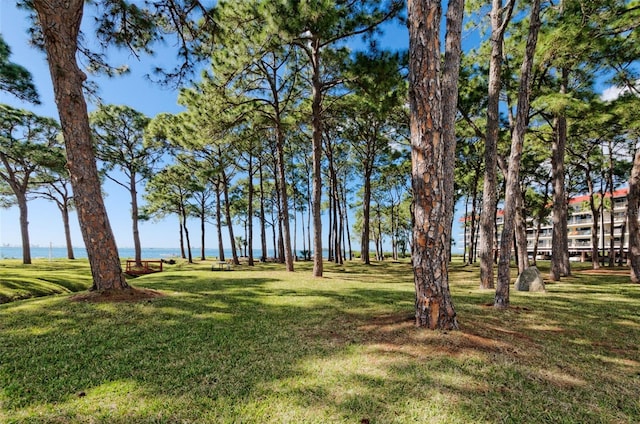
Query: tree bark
x=450, y=74
x=137, y=247
x=513, y=177
x=284, y=198
x=64, y=210
x=250, y=208
x=24, y=227
x=60, y=22
x=489, y=195
x=595, y=225
x=203, y=222
x=183, y=220
x=633, y=201
x=560, y=265
x=521, y=233
x=431, y=217
x=316, y=111
x=227, y=212
x=366, y=216
x=263, y=220
x=219, y=221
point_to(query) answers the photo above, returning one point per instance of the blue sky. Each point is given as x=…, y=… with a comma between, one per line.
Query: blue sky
x=45, y=223
x=133, y=89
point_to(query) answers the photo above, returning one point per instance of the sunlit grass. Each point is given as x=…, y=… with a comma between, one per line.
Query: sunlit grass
x=265, y=346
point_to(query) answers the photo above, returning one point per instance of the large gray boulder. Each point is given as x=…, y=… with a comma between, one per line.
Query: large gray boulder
x=530, y=280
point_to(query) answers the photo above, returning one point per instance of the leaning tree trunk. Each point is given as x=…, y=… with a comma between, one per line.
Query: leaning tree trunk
x=633, y=201
x=64, y=210
x=60, y=23
x=431, y=217
x=513, y=176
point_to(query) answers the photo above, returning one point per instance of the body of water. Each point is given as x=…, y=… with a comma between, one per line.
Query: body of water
x=38, y=252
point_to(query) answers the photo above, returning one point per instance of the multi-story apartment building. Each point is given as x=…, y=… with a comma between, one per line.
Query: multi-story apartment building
x=580, y=228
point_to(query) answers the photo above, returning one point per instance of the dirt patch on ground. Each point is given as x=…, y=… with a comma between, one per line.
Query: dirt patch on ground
x=113, y=296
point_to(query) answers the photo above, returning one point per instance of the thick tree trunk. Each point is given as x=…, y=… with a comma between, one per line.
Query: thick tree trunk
x=316, y=120
x=513, y=177
x=560, y=265
x=489, y=195
x=434, y=307
x=633, y=201
x=60, y=23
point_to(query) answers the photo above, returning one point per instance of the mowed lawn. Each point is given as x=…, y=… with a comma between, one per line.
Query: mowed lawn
x=266, y=346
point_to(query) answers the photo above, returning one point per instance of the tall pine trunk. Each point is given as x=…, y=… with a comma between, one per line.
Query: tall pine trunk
x=219, y=222
x=263, y=218
x=633, y=201
x=560, y=264
x=227, y=214
x=284, y=198
x=250, y=208
x=316, y=120
x=431, y=217
x=137, y=247
x=24, y=226
x=60, y=22
x=513, y=176
x=521, y=233
x=489, y=196
x=366, y=215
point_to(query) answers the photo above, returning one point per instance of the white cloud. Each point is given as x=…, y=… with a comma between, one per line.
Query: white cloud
x=614, y=92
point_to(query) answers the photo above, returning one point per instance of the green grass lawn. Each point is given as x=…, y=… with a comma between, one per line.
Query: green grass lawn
x=266, y=346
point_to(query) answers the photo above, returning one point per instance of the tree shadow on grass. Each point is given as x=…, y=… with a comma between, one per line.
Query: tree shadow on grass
x=246, y=349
